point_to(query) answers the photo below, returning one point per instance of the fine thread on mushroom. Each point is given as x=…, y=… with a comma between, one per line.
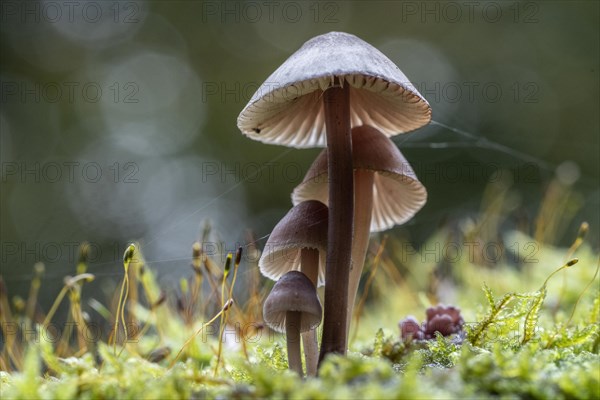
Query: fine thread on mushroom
x=399, y=140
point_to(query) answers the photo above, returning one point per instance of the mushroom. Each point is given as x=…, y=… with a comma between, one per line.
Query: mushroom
x=293, y=307
x=443, y=319
x=387, y=193
x=410, y=329
x=333, y=82
x=299, y=242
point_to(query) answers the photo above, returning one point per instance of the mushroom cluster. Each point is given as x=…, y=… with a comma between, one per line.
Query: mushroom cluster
x=339, y=92
x=443, y=319
x=298, y=243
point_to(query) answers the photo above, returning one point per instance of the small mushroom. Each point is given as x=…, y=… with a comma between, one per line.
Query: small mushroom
x=333, y=82
x=299, y=242
x=300, y=234
x=443, y=319
x=387, y=193
x=410, y=329
x=293, y=307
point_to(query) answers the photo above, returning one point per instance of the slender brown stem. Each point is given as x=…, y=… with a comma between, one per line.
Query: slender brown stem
x=292, y=332
x=341, y=211
x=363, y=209
x=309, y=265
x=368, y=283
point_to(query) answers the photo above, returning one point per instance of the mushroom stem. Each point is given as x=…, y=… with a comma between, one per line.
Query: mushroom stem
x=363, y=206
x=341, y=211
x=292, y=332
x=309, y=265
x=311, y=351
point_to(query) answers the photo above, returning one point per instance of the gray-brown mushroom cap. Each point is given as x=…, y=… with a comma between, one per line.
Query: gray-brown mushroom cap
x=287, y=108
x=397, y=194
x=293, y=292
x=304, y=226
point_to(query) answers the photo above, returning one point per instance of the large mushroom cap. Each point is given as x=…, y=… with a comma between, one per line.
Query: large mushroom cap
x=304, y=226
x=287, y=108
x=293, y=292
x=397, y=193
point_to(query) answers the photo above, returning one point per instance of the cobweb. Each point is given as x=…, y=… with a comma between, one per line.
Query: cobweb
x=452, y=138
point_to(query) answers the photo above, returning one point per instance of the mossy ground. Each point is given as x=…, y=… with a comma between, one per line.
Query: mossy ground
x=528, y=333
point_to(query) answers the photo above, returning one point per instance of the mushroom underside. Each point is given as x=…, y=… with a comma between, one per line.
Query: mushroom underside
x=283, y=258
x=294, y=115
x=396, y=199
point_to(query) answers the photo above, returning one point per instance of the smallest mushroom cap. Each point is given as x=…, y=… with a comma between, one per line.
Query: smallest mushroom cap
x=293, y=292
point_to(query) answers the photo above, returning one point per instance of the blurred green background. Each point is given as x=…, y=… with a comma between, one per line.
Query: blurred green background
x=118, y=120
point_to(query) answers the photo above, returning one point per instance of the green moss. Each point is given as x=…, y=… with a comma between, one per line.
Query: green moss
x=518, y=343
